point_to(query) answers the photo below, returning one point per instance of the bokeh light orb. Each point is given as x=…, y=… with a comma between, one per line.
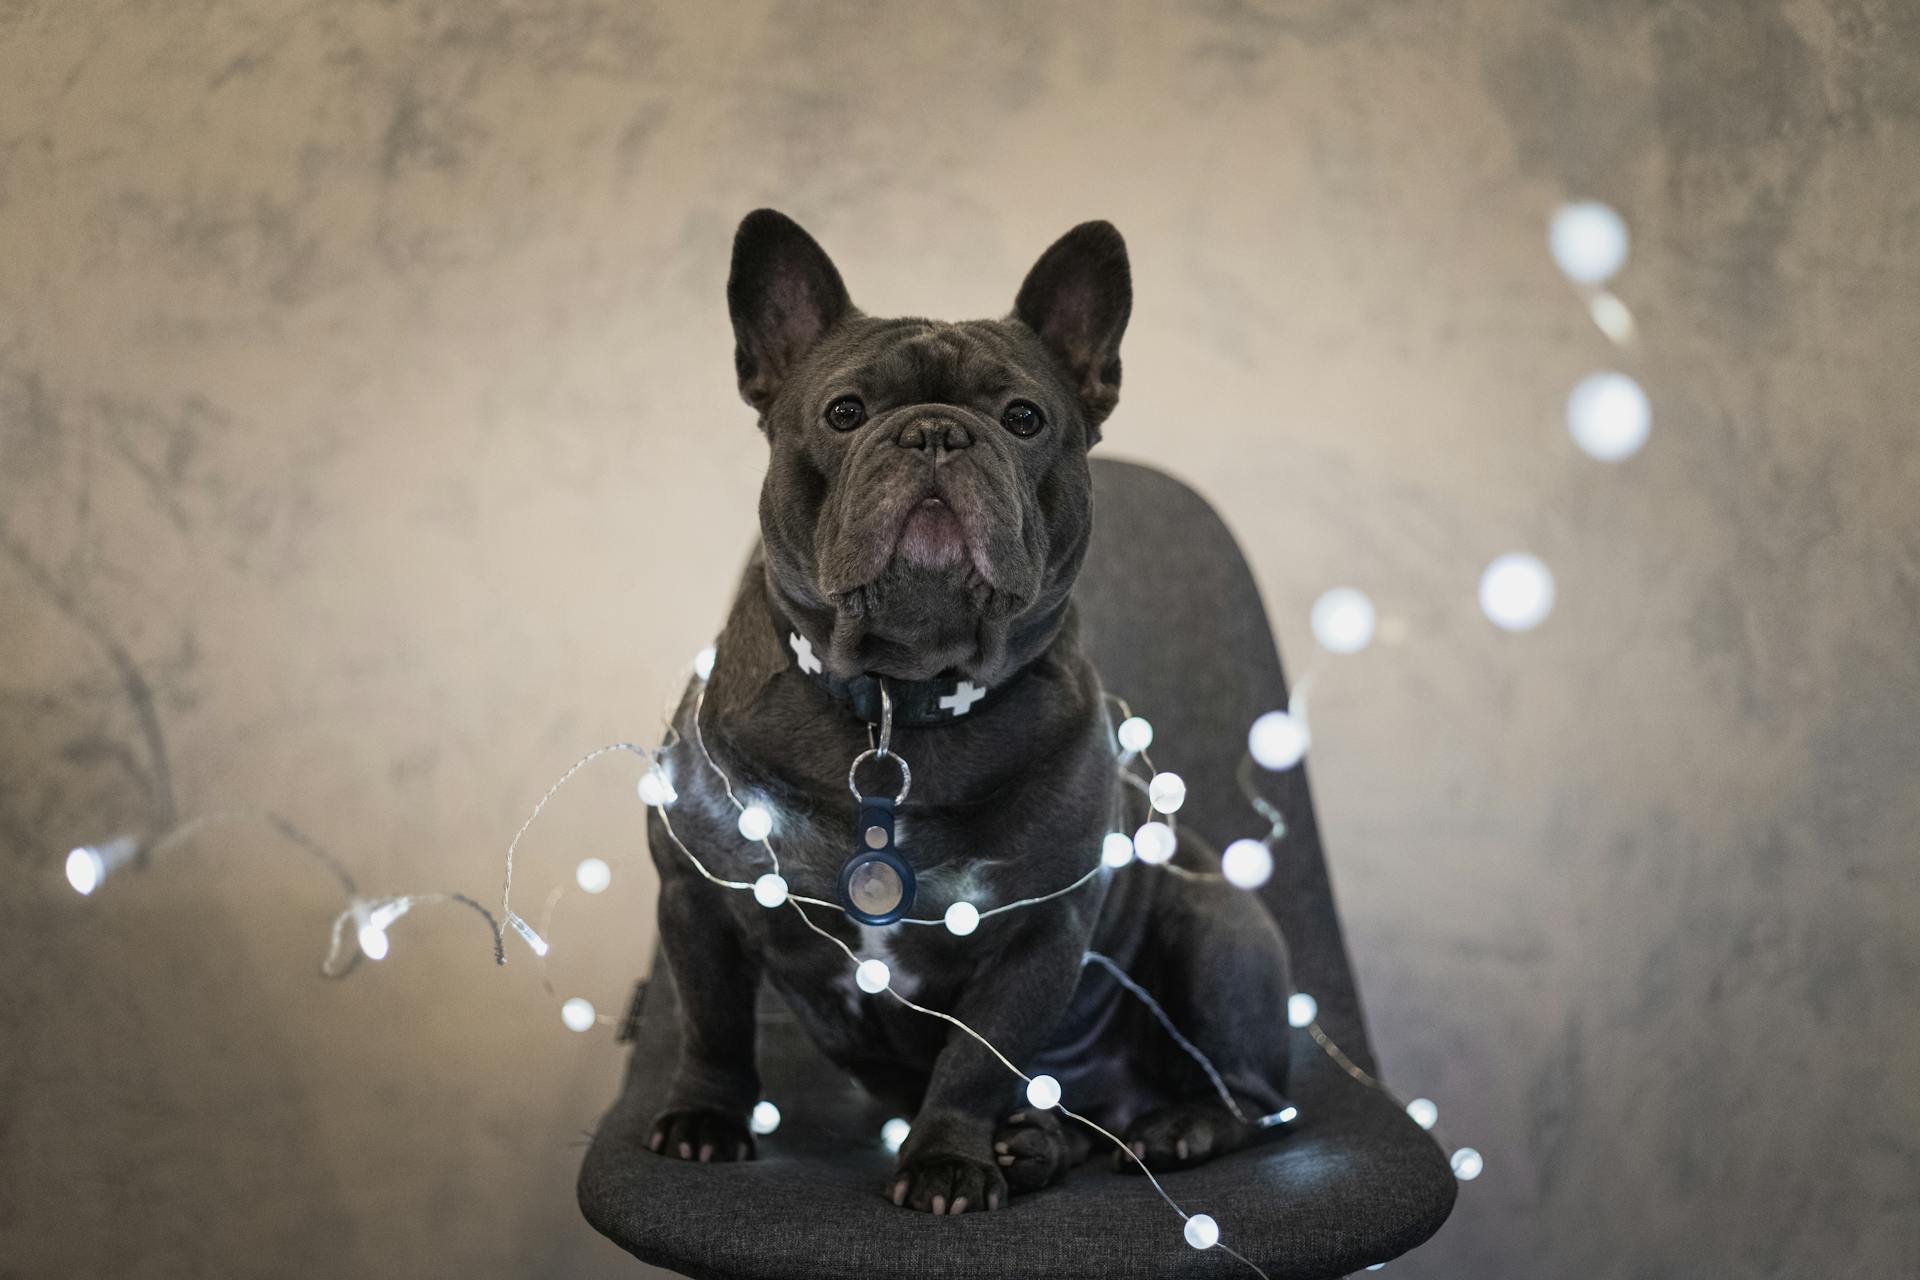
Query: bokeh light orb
x=1343, y=620
x=1609, y=416
x=1247, y=864
x=962, y=919
x=1467, y=1164
x=1135, y=734
x=1516, y=591
x=578, y=1014
x=1155, y=842
x=593, y=875
x=765, y=1118
x=873, y=976
x=1425, y=1112
x=770, y=890
x=1202, y=1231
x=1043, y=1092
x=1278, y=740
x=1167, y=792
x=1117, y=849
x=1302, y=1009
x=1589, y=241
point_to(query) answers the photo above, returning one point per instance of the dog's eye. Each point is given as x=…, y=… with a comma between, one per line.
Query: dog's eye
x=1022, y=418
x=846, y=413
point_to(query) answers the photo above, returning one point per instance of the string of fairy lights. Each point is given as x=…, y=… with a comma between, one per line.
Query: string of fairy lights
x=1608, y=417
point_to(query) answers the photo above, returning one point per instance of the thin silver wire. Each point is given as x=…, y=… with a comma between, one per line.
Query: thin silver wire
x=1193, y=1051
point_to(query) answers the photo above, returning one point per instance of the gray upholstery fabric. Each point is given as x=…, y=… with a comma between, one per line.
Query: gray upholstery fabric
x=1177, y=628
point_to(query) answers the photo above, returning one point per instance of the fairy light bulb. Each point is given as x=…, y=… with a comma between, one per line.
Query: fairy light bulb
x=1247, y=864
x=703, y=663
x=873, y=976
x=765, y=1118
x=1117, y=849
x=1135, y=734
x=1302, y=1009
x=1278, y=740
x=962, y=919
x=1467, y=1164
x=1167, y=792
x=89, y=865
x=770, y=890
x=370, y=931
x=756, y=822
x=1425, y=1112
x=656, y=788
x=527, y=934
x=1202, y=1231
x=577, y=1013
x=1043, y=1092
x=1154, y=842
x=1589, y=241
x=593, y=875
x=1516, y=591
x=1343, y=620
x=1609, y=416
x=894, y=1133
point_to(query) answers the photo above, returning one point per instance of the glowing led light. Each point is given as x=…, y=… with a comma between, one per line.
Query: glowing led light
x=1278, y=740
x=1611, y=317
x=577, y=1013
x=1135, y=734
x=1167, y=792
x=656, y=789
x=1202, y=1231
x=1467, y=1164
x=756, y=822
x=1302, y=1009
x=1154, y=842
x=1424, y=1111
x=703, y=663
x=593, y=875
x=1247, y=864
x=373, y=942
x=1516, y=591
x=1343, y=620
x=90, y=864
x=894, y=1132
x=1287, y=1115
x=770, y=890
x=765, y=1118
x=1589, y=241
x=1608, y=415
x=962, y=918
x=85, y=869
x=370, y=928
x=872, y=976
x=1117, y=849
x=1043, y=1092
x=525, y=930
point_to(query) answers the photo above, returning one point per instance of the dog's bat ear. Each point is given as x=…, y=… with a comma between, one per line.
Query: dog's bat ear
x=1077, y=298
x=783, y=294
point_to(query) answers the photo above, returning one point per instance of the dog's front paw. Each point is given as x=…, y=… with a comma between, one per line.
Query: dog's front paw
x=1031, y=1149
x=937, y=1182
x=1179, y=1137
x=695, y=1134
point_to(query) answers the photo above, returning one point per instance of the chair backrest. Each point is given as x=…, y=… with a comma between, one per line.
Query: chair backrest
x=1171, y=614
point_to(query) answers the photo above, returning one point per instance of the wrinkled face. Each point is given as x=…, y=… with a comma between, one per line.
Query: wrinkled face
x=927, y=500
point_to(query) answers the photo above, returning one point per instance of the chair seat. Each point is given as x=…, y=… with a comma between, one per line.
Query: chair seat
x=1175, y=624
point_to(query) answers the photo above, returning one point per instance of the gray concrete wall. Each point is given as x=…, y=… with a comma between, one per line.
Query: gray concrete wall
x=366, y=409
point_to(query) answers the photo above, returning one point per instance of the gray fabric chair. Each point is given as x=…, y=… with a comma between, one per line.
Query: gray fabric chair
x=1177, y=627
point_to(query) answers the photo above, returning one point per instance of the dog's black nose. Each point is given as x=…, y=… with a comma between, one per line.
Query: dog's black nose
x=933, y=433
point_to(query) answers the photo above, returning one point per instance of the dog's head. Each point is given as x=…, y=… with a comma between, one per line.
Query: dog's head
x=927, y=503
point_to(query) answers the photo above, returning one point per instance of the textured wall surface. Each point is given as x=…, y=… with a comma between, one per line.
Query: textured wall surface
x=368, y=450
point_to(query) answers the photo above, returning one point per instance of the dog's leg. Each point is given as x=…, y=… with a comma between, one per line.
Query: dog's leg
x=1218, y=966
x=1014, y=1001
x=718, y=979
x=1034, y=1149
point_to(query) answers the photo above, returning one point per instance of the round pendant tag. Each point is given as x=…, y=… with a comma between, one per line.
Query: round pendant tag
x=876, y=886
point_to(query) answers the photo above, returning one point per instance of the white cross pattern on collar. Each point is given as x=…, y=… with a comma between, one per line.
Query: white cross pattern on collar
x=961, y=700
x=803, y=650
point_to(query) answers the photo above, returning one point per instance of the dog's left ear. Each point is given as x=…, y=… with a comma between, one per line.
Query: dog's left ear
x=783, y=294
x=1077, y=298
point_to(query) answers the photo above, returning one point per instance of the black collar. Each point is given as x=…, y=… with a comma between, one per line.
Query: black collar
x=916, y=703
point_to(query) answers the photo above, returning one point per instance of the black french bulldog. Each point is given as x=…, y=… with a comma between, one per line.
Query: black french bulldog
x=926, y=510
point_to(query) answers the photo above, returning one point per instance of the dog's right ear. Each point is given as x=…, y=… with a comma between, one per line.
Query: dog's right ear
x=783, y=294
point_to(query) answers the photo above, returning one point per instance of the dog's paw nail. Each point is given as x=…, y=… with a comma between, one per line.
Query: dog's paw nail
x=1003, y=1161
x=1180, y=1149
x=1018, y=1117
x=900, y=1192
x=939, y=1204
x=686, y=1151
x=993, y=1200
x=657, y=1141
x=706, y=1153
x=1000, y=1147
x=1139, y=1150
